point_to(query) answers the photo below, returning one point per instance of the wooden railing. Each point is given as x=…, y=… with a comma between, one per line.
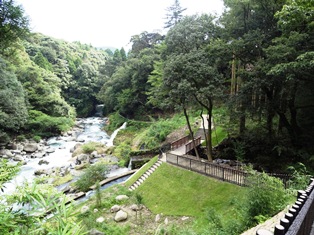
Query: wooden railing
x=178, y=143
x=300, y=217
x=189, y=146
x=223, y=173
x=219, y=172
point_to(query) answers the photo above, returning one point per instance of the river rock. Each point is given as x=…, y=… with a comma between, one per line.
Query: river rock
x=16, y=151
x=121, y=216
x=122, y=197
x=83, y=157
x=95, y=232
x=115, y=208
x=70, y=139
x=157, y=218
x=40, y=172
x=43, y=162
x=50, y=150
x=134, y=207
x=18, y=158
x=30, y=147
x=100, y=220
x=94, y=154
x=38, y=155
x=75, y=147
x=84, y=209
x=6, y=153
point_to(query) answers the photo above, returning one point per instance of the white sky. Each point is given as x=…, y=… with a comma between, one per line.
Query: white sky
x=105, y=23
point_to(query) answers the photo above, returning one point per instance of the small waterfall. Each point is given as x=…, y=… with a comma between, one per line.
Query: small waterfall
x=99, y=110
x=130, y=164
x=114, y=134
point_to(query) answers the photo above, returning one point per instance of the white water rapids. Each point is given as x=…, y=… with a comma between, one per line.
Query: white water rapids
x=90, y=129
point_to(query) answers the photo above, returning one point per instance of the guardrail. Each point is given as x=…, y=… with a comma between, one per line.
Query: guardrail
x=178, y=143
x=189, y=146
x=219, y=172
x=223, y=173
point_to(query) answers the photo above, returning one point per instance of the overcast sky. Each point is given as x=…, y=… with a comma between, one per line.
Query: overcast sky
x=105, y=23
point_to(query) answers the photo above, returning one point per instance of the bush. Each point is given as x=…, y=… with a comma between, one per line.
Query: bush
x=266, y=196
x=92, y=174
x=37, y=138
x=116, y=120
x=91, y=147
x=123, y=152
x=300, y=177
x=44, y=125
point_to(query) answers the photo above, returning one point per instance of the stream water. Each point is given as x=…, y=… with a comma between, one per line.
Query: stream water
x=90, y=129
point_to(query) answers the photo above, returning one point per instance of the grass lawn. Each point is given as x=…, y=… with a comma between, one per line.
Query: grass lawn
x=174, y=191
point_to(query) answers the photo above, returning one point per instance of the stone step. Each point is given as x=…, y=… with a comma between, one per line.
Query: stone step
x=154, y=167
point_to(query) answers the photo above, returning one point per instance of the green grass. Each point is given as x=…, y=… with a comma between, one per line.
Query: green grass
x=218, y=135
x=174, y=191
x=141, y=171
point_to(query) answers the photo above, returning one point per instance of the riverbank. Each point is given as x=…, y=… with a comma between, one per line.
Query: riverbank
x=53, y=159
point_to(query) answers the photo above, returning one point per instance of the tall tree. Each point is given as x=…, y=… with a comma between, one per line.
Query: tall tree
x=13, y=23
x=174, y=14
x=13, y=109
x=189, y=67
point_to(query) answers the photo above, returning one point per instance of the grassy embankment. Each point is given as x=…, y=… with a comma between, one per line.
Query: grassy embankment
x=173, y=192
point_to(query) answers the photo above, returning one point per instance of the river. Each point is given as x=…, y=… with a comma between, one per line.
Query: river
x=88, y=129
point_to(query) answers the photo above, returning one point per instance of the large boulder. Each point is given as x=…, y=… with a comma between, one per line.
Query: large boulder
x=39, y=155
x=122, y=197
x=18, y=158
x=121, y=216
x=83, y=157
x=30, y=147
x=6, y=153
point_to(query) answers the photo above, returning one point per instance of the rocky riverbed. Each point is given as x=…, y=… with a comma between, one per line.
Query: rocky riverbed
x=56, y=157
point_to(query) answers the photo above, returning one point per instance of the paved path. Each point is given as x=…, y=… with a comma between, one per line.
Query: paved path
x=179, y=151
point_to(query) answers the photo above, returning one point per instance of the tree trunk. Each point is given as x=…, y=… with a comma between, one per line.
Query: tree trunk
x=242, y=118
x=209, y=144
x=191, y=132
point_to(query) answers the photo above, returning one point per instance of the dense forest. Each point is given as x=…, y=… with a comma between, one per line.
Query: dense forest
x=248, y=71
x=255, y=61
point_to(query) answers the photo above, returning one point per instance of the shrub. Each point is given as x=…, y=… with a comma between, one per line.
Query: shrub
x=44, y=125
x=123, y=152
x=300, y=177
x=37, y=138
x=92, y=174
x=266, y=196
x=91, y=147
